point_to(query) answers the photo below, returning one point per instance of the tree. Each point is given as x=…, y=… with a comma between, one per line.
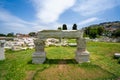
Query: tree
x=87, y=31
x=116, y=33
x=32, y=34
x=74, y=27
x=93, y=33
x=59, y=28
x=2, y=35
x=64, y=27
x=100, y=30
x=10, y=34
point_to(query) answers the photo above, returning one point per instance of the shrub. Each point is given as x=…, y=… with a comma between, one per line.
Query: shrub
x=119, y=60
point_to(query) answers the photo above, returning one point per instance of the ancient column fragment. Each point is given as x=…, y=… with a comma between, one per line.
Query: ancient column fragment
x=2, y=54
x=82, y=55
x=39, y=56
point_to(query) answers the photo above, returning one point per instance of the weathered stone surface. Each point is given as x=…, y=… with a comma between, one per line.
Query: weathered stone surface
x=58, y=34
x=82, y=55
x=2, y=54
x=39, y=45
x=81, y=44
x=117, y=55
x=38, y=57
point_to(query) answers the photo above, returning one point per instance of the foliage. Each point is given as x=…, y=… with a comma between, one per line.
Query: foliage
x=2, y=35
x=116, y=33
x=119, y=60
x=100, y=30
x=59, y=28
x=10, y=34
x=74, y=27
x=32, y=34
x=93, y=32
x=64, y=27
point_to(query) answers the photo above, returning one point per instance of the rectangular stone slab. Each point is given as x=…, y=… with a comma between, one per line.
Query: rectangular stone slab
x=60, y=34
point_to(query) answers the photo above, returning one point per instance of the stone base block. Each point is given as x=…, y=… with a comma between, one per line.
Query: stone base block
x=2, y=55
x=82, y=57
x=38, y=58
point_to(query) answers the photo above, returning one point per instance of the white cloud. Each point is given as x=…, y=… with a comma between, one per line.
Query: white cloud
x=87, y=21
x=13, y=23
x=92, y=7
x=48, y=11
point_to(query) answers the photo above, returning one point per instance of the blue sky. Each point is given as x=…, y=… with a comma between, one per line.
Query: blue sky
x=24, y=16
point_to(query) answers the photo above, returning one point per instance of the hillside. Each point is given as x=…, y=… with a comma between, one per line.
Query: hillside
x=109, y=25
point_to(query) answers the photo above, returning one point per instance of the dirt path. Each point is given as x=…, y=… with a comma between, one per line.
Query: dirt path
x=62, y=64
x=29, y=75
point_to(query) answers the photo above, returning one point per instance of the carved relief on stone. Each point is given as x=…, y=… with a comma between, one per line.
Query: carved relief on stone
x=39, y=45
x=81, y=44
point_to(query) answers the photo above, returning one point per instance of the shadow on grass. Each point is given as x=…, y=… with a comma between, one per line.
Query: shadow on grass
x=60, y=61
x=57, y=61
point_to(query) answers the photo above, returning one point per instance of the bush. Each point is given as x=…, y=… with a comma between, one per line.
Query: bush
x=119, y=60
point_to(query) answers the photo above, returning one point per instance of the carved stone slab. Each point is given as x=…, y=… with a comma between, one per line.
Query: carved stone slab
x=60, y=33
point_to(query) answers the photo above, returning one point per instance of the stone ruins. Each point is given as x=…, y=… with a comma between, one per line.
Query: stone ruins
x=39, y=57
x=2, y=55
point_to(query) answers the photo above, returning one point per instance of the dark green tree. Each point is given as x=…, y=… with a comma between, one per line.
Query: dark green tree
x=116, y=33
x=74, y=27
x=59, y=28
x=87, y=31
x=10, y=34
x=93, y=33
x=2, y=35
x=32, y=34
x=64, y=27
x=100, y=30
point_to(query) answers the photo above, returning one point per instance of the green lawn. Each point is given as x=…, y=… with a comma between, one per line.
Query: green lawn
x=60, y=64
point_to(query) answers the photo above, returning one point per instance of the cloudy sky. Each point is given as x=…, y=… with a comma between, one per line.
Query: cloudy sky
x=24, y=16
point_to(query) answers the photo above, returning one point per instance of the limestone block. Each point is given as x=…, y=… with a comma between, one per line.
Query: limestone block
x=2, y=54
x=82, y=56
x=38, y=58
x=60, y=33
x=39, y=45
x=81, y=44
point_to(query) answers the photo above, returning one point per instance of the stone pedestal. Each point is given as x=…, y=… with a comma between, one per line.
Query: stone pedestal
x=39, y=56
x=82, y=56
x=2, y=54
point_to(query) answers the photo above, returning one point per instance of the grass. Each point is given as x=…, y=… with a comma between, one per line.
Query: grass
x=60, y=64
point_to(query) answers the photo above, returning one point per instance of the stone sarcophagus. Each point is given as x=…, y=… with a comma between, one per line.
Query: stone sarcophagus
x=82, y=55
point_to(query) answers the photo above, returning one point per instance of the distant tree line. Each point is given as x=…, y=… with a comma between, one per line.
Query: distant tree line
x=93, y=32
x=116, y=33
x=7, y=35
x=64, y=27
x=97, y=31
x=31, y=34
